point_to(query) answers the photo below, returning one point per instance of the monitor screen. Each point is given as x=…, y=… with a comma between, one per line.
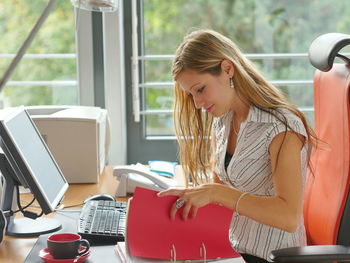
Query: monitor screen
x=30, y=159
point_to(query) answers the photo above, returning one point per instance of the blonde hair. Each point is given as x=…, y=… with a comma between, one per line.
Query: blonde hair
x=203, y=51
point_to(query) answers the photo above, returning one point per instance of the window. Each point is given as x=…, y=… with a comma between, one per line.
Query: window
x=275, y=35
x=47, y=73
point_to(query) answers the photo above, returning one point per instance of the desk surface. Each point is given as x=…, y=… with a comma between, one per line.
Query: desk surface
x=13, y=250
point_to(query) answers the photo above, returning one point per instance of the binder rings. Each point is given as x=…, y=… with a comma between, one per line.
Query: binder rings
x=121, y=252
x=152, y=234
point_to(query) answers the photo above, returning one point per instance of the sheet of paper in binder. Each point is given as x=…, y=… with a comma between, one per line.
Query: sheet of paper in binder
x=152, y=234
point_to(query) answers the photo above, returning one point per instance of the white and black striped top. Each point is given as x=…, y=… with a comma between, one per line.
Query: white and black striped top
x=249, y=170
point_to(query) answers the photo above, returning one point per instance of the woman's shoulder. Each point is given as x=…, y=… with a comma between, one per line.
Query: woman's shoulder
x=281, y=119
x=276, y=115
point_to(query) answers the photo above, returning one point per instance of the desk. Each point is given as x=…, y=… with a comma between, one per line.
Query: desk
x=15, y=250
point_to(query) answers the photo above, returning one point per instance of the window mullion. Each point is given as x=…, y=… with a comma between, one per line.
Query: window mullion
x=135, y=63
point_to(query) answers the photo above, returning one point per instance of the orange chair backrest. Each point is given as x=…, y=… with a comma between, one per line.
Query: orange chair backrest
x=327, y=186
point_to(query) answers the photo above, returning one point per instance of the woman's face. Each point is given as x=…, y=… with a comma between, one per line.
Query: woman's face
x=209, y=92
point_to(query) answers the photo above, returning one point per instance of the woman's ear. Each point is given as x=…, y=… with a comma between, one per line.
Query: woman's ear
x=227, y=67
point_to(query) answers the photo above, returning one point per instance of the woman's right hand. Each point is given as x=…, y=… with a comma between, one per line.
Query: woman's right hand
x=193, y=199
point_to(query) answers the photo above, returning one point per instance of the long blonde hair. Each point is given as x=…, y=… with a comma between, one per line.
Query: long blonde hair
x=203, y=51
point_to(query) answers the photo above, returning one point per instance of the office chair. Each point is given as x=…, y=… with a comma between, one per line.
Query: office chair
x=327, y=202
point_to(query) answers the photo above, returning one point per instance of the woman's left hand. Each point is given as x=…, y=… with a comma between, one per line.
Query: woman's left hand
x=193, y=199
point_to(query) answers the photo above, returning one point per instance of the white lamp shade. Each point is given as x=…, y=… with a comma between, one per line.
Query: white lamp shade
x=96, y=5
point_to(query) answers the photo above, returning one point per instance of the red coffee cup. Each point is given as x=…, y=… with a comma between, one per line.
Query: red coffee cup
x=67, y=245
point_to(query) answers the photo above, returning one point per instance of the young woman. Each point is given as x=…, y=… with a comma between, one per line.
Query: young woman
x=258, y=152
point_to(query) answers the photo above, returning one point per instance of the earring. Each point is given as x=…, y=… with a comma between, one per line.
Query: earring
x=232, y=85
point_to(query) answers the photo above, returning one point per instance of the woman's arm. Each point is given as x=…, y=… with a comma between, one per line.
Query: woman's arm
x=283, y=210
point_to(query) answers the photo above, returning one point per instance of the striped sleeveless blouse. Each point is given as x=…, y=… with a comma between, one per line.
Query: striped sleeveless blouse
x=249, y=170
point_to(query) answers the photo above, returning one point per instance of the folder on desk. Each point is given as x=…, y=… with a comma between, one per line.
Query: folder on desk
x=152, y=234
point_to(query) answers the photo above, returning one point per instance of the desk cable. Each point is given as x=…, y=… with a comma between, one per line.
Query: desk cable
x=62, y=208
x=25, y=213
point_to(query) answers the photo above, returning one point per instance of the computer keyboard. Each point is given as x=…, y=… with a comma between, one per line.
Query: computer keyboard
x=102, y=221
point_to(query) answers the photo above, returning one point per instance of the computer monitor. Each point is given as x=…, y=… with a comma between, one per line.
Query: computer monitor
x=27, y=161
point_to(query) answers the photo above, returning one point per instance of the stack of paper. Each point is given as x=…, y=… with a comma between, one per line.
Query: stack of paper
x=152, y=234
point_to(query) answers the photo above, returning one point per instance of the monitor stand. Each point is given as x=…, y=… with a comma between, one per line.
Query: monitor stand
x=21, y=227
x=26, y=227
